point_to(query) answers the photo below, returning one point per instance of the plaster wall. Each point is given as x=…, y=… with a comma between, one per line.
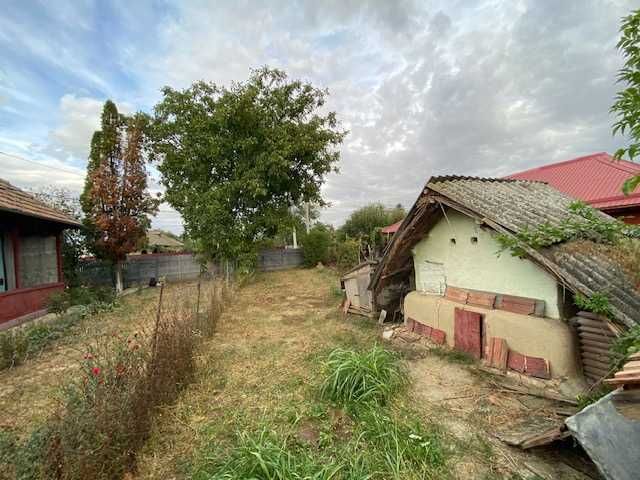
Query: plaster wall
x=551, y=339
x=472, y=263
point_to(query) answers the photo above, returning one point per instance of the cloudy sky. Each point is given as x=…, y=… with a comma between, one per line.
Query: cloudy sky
x=470, y=87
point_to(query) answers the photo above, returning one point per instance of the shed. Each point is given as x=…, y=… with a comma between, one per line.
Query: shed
x=355, y=283
x=514, y=313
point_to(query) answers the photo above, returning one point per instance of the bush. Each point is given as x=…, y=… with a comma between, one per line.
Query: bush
x=362, y=377
x=316, y=247
x=58, y=302
x=13, y=348
x=106, y=412
x=347, y=254
x=625, y=345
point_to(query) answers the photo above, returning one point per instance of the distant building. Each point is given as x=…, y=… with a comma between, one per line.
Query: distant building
x=30, y=253
x=596, y=179
x=161, y=242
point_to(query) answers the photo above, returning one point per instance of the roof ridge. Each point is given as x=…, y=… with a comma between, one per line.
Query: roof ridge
x=446, y=178
x=549, y=166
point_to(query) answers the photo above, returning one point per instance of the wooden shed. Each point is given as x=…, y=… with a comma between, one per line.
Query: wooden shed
x=355, y=283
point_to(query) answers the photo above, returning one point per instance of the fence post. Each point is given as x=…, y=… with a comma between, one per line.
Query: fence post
x=198, y=301
x=157, y=325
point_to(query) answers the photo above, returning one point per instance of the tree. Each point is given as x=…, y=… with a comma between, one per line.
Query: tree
x=74, y=241
x=316, y=246
x=115, y=200
x=234, y=160
x=627, y=104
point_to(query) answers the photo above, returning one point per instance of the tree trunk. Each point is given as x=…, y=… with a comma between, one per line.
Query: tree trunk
x=295, y=238
x=119, y=276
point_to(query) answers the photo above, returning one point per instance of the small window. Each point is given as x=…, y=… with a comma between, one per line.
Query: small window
x=452, y=242
x=474, y=240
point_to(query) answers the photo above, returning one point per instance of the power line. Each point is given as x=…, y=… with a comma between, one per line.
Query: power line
x=40, y=164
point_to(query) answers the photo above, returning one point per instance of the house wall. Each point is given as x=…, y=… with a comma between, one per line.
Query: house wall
x=476, y=266
x=547, y=338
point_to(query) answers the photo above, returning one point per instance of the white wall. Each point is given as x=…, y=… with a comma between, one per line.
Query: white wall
x=438, y=262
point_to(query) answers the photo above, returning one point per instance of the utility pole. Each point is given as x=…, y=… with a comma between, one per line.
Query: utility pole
x=295, y=238
x=307, y=221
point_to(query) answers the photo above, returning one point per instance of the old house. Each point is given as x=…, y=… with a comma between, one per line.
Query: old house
x=443, y=270
x=30, y=253
x=595, y=179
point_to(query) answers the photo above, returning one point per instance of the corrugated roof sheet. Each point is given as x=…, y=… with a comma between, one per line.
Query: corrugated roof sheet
x=392, y=228
x=14, y=200
x=597, y=179
x=514, y=205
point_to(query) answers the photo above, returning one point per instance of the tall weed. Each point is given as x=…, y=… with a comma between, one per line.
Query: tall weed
x=353, y=377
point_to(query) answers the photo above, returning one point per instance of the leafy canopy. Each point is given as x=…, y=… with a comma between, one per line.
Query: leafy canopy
x=627, y=104
x=115, y=199
x=366, y=222
x=235, y=159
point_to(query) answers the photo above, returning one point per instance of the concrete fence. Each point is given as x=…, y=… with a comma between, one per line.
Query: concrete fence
x=138, y=269
x=280, y=258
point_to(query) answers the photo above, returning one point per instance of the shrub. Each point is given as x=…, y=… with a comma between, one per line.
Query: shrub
x=316, y=247
x=13, y=348
x=58, y=302
x=362, y=377
x=627, y=344
x=347, y=254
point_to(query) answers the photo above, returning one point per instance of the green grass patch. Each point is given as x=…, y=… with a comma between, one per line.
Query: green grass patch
x=357, y=377
x=452, y=355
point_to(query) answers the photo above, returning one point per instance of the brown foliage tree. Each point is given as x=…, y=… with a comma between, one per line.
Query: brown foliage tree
x=115, y=201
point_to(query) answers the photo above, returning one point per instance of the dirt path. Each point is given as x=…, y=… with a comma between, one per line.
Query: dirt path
x=261, y=368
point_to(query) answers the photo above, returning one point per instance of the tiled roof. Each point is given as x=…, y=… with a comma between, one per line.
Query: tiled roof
x=161, y=239
x=510, y=206
x=14, y=200
x=597, y=179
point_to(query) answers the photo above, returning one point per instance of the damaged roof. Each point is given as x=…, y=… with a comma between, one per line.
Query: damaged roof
x=511, y=206
x=14, y=200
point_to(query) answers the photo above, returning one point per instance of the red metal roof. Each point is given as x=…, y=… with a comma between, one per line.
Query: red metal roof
x=392, y=228
x=596, y=179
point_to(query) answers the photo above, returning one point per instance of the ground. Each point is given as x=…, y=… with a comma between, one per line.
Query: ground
x=262, y=367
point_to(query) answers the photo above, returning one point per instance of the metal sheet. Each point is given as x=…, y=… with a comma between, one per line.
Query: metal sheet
x=609, y=431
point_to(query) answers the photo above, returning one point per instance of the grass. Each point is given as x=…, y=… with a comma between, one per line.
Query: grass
x=353, y=377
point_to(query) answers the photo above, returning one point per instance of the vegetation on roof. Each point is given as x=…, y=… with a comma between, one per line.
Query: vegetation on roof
x=584, y=223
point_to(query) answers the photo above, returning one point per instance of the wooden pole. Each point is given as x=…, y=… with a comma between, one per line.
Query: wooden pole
x=157, y=325
x=198, y=301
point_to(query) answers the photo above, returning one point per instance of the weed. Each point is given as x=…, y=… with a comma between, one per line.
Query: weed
x=598, y=303
x=452, y=355
x=361, y=377
x=265, y=456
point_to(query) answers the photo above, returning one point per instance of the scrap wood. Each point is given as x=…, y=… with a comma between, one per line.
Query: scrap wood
x=533, y=432
x=534, y=392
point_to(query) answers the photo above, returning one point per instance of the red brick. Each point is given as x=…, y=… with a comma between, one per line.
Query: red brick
x=479, y=299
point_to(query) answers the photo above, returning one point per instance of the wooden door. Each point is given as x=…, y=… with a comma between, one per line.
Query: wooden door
x=468, y=332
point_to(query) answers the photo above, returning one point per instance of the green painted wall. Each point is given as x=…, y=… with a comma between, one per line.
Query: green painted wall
x=474, y=265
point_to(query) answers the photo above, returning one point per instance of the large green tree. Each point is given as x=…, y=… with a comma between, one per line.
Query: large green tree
x=365, y=223
x=115, y=200
x=627, y=104
x=235, y=159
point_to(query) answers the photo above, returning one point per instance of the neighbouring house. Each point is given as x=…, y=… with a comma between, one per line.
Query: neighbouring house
x=390, y=230
x=443, y=271
x=161, y=242
x=30, y=253
x=596, y=179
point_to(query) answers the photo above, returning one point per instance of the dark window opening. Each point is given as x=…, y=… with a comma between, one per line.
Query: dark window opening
x=474, y=240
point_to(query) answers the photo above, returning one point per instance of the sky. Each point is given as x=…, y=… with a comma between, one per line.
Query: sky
x=425, y=88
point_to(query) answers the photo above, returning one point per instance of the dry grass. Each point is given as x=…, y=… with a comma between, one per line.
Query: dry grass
x=29, y=391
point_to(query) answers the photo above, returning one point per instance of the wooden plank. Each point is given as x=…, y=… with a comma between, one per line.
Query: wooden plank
x=590, y=323
x=545, y=438
x=345, y=307
x=500, y=353
x=515, y=361
x=467, y=332
x=596, y=350
x=438, y=336
x=537, y=367
x=592, y=316
x=593, y=336
x=456, y=294
x=481, y=299
x=599, y=357
x=521, y=305
x=605, y=332
x=594, y=363
x=596, y=373
x=595, y=343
